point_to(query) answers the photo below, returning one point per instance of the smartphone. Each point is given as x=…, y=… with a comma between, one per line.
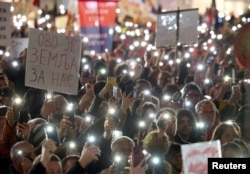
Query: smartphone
x=71, y=114
x=111, y=80
x=51, y=133
x=137, y=155
x=176, y=96
x=23, y=117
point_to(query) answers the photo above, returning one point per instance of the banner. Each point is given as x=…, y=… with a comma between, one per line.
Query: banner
x=97, y=19
x=17, y=46
x=5, y=22
x=195, y=156
x=53, y=61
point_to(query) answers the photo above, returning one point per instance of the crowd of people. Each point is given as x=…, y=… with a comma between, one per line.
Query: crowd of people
x=134, y=109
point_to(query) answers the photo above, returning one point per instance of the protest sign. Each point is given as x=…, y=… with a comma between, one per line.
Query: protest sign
x=17, y=46
x=5, y=22
x=53, y=61
x=195, y=156
x=97, y=19
x=172, y=29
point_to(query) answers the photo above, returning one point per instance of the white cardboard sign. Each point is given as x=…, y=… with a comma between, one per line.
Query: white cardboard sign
x=53, y=61
x=5, y=22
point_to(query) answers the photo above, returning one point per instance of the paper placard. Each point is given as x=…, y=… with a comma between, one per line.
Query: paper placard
x=17, y=46
x=53, y=61
x=5, y=22
x=167, y=25
x=195, y=156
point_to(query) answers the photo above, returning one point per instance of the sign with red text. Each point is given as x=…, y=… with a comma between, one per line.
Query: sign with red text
x=97, y=19
x=195, y=156
x=5, y=22
x=242, y=47
x=53, y=61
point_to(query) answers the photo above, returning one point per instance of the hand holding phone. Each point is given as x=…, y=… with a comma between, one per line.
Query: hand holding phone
x=137, y=155
x=23, y=117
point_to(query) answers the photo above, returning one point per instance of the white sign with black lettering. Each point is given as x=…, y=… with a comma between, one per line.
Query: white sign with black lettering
x=5, y=22
x=53, y=61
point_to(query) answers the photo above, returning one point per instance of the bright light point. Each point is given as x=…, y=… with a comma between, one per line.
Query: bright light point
x=170, y=62
x=188, y=103
x=161, y=63
x=72, y=145
x=213, y=36
x=119, y=60
x=124, y=71
x=156, y=53
x=18, y=100
x=49, y=96
x=39, y=11
x=206, y=81
x=86, y=67
x=84, y=60
x=200, y=67
x=227, y=18
x=103, y=71
x=178, y=44
x=200, y=125
x=166, y=97
x=7, y=54
x=88, y=118
x=131, y=47
x=49, y=129
x=14, y=63
x=70, y=106
x=91, y=139
x=187, y=55
x=118, y=10
x=143, y=43
x=123, y=36
x=149, y=24
x=19, y=152
x=178, y=60
x=239, y=26
x=85, y=39
x=155, y=160
x=219, y=36
x=1, y=52
x=188, y=65
x=152, y=115
x=117, y=158
x=166, y=116
x=166, y=57
x=209, y=41
x=146, y=92
x=47, y=17
x=244, y=19
x=92, y=52
x=118, y=29
x=234, y=28
x=49, y=25
x=146, y=32
x=247, y=81
x=131, y=73
x=136, y=43
x=227, y=78
x=138, y=59
x=230, y=122
x=141, y=124
x=12, y=8
x=112, y=111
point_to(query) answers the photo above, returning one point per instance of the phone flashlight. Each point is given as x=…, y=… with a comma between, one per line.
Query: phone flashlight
x=111, y=111
x=116, y=134
x=17, y=100
x=91, y=139
x=14, y=63
x=200, y=125
x=146, y=92
x=141, y=124
x=102, y=71
x=155, y=160
x=152, y=115
x=72, y=145
x=166, y=97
